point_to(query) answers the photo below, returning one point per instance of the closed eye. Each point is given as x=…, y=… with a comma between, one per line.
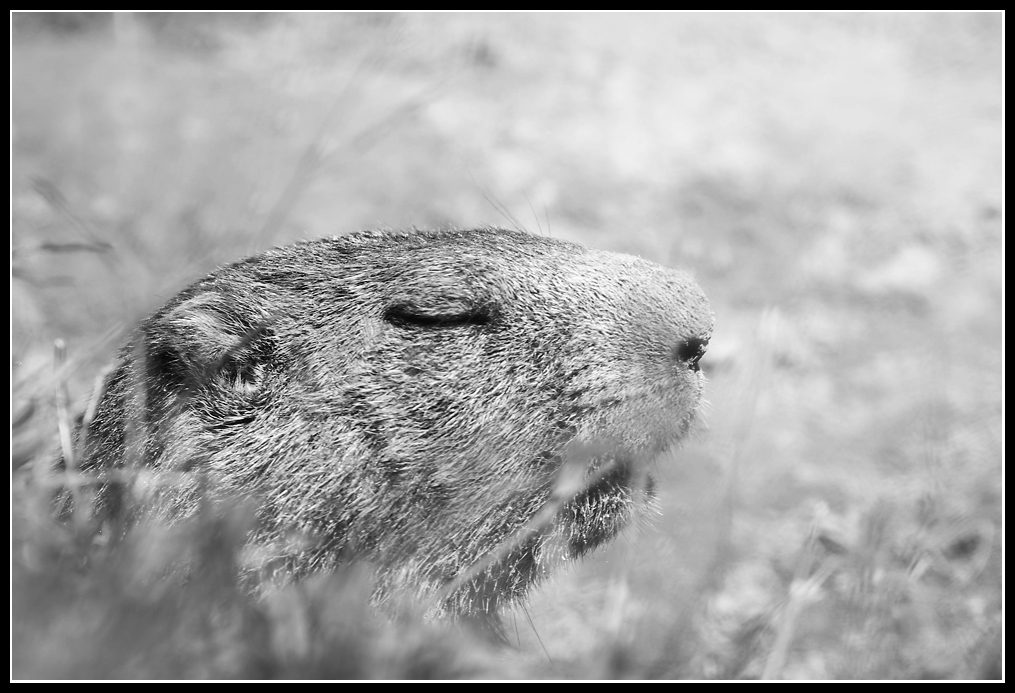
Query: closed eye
x=408, y=316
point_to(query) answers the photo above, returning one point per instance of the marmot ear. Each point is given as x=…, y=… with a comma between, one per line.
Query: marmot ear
x=211, y=339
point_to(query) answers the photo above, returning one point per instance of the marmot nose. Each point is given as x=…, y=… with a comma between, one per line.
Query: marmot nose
x=689, y=352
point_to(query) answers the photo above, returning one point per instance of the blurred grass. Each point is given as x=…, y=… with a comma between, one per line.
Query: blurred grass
x=834, y=180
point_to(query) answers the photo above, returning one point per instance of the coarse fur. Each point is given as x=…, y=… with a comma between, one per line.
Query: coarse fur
x=409, y=399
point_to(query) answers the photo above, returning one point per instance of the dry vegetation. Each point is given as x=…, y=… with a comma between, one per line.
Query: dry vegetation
x=833, y=180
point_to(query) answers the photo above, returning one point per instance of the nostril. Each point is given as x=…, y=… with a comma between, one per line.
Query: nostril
x=690, y=351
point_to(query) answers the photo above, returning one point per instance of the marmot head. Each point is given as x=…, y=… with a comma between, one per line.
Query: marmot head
x=411, y=398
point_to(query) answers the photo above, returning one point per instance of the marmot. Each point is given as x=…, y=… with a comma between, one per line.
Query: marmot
x=406, y=398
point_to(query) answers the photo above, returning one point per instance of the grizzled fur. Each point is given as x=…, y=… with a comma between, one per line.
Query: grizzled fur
x=406, y=399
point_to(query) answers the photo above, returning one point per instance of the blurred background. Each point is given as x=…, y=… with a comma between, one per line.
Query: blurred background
x=834, y=181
